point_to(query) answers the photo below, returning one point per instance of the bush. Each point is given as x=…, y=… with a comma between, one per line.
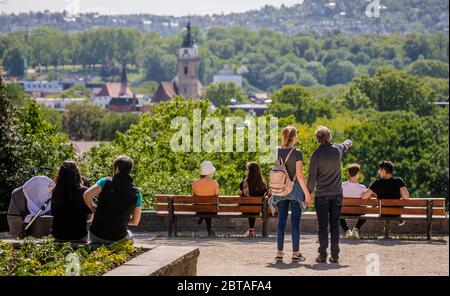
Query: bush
x=49, y=259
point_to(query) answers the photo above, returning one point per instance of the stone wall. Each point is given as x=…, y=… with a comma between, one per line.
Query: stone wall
x=152, y=222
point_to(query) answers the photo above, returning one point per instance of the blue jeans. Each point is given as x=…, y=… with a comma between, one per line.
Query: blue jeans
x=296, y=213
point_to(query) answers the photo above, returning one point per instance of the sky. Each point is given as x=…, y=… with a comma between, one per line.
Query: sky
x=159, y=7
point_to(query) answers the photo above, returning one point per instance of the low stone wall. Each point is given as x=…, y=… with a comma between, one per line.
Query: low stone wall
x=161, y=261
x=150, y=222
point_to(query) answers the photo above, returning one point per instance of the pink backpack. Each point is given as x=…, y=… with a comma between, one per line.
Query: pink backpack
x=279, y=182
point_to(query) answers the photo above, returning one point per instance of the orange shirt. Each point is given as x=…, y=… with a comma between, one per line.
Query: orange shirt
x=205, y=187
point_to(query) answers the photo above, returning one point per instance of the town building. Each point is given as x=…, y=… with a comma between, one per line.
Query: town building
x=39, y=89
x=259, y=98
x=59, y=104
x=227, y=75
x=251, y=109
x=186, y=82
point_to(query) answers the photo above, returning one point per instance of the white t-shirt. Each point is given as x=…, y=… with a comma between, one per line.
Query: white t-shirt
x=354, y=190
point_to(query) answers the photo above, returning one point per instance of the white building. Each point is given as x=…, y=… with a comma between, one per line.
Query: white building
x=226, y=75
x=59, y=104
x=42, y=87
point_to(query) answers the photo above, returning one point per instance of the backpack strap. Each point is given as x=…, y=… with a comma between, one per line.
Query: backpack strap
x=289, y=154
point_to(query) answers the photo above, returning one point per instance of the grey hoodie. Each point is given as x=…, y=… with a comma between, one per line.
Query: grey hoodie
x=325, y=169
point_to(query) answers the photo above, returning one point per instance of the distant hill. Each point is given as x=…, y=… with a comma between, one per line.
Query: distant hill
x=397, y=16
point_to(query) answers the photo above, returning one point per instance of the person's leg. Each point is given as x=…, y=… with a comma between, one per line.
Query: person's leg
x=296, y=214
x=344, y=225
x=251, y=223
x=360, y=223
x=208, y=222
x=321, y=205
x=335, y=213
x=283, y=208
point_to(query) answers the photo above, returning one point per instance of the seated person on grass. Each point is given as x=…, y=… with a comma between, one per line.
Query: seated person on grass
x=387, y=186
x=119, y=204
x=352, y=189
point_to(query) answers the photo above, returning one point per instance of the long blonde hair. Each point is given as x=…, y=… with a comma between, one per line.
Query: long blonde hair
x=288, y=135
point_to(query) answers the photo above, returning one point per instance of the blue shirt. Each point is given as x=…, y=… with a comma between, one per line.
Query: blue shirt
x=102, y=182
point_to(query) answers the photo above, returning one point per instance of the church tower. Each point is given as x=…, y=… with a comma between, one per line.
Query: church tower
x=188, y=63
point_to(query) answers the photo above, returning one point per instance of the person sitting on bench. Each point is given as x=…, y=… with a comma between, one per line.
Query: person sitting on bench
x=70, y=213
x=353, y=189
x=206, y=186
x=387, y=187
x=119, y=205
x=253, y=185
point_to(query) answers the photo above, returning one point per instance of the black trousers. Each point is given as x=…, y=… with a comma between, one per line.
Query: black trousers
x=358, y=226
x=251, y=222
x=328, y=210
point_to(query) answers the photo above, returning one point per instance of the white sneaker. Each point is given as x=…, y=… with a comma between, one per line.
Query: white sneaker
x=355, y=233
x=348, y=234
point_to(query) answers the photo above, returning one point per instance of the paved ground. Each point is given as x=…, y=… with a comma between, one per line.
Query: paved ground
x=232, y=256
x=254, y=256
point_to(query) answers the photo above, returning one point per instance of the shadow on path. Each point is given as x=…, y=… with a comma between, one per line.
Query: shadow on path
x=318, y=266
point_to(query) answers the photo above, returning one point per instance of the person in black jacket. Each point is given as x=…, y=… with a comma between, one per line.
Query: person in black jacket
x=70, y=213
x=119, y=204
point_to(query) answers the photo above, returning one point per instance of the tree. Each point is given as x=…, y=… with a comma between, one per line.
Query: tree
x=82, y=121
x=13, y=62
x=113, y=123
x=220, y=94
x=432, y=68
x=298, y=101
x=340, y=72
x=391, y=90
x=416, y=45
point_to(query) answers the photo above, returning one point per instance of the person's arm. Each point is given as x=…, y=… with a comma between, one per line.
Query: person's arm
x=404, y=192
x=301, y=181
x=344, y=147
x=368, y=194
x=312, y=173
x=89, y=195
x=217, y=189
x=136, y=216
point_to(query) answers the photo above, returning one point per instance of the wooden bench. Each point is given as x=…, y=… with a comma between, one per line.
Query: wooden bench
x=374, y=209
x=210, y=207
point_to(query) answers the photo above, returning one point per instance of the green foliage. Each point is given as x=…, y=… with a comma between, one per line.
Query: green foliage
x=82, y=121
x=430, y=68
x=221, y=93
x=390, y=90
x=297, y=100
x=115, y=122
x=27, y=141
x=75, y=91
x=13, y=62
x=49, y=259
x=418, y=146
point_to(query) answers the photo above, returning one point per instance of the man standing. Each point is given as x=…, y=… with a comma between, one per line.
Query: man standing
x=325, y=179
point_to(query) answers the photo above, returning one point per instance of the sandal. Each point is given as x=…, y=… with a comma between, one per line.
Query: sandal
x=297, y=257
x=279, y=257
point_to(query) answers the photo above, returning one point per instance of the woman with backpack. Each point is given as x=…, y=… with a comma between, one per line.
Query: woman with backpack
x=253, y=185
x=288, y=187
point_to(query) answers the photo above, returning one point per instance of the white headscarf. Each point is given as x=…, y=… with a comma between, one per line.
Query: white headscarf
x=37, y=191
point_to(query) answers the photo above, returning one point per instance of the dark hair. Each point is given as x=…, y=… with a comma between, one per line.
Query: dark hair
x=353, y=169
x=68, y=181
x=124, y=164
x=386, y=165
x=255, y=178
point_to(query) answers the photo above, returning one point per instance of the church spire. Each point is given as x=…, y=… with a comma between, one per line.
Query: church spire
x=188, y=41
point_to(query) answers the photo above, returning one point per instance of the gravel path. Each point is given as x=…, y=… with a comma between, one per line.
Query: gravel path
x=254, y=256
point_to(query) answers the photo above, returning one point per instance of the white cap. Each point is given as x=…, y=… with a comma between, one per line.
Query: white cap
x=207, y=168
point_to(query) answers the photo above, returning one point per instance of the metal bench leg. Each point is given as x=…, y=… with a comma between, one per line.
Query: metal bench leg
x=171, y=216
x=265, y=230
x=429, y=218
x=175, y=226
x=387, y=229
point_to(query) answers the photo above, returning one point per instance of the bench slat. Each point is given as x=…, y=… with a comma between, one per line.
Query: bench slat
x=240, y=200
x=204, y=199
x=241, y=209
x=359, y=210
x=360, y=202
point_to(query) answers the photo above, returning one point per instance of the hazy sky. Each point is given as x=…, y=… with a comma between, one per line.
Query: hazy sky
x=160, y=7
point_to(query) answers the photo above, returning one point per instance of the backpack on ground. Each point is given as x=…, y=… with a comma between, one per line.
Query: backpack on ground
x=279, y=182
